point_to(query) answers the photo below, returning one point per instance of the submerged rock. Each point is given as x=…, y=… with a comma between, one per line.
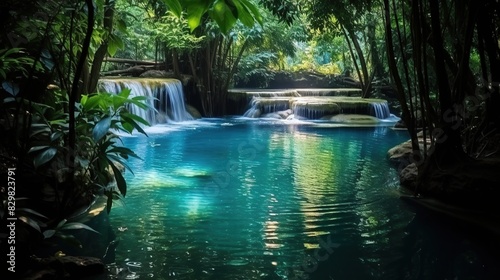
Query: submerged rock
x=272, y=116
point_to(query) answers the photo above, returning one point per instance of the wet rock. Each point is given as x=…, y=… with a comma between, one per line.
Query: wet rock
x=157, y=74
x=354, y=119
x=272, y=116
x=285, y=114
x=193, y=111
x=408, y=176
x=401, y=153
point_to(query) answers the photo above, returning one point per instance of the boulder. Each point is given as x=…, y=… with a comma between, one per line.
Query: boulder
x=157, y=74
x=193, y=111
x=272, y=116
x=354, y=119
x=408, y=176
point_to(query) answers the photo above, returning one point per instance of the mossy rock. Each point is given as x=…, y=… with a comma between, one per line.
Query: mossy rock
x=354, y=119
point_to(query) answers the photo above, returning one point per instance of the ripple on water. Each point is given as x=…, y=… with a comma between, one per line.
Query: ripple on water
x=191, y=217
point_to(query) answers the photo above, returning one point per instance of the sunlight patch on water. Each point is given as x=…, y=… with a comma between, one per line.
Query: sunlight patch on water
x=153, y=178
x=192, y=172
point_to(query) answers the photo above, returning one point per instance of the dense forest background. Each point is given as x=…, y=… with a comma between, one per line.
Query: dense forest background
x=441, y=58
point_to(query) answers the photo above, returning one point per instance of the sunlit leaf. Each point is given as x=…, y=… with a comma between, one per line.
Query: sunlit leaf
x=83, y=100
x=223, y=15
x=253, y=9
x=174, y=6
x=195, y=10
x=243, y=13
x=91, y=102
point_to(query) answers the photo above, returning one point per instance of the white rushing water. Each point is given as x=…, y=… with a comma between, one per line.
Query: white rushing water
x=165, y=97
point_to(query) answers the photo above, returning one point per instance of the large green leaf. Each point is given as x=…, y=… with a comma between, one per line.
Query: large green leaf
x=128, y=127
x=123, y=150
x=101, y=128
x=78, y=226
x=44, y=156
x=120, y=181
x=195, y=10
x=223, y=15
x=91, y=102
x=83, y=100
x=125, y=93
x=31, y=211
x=135, y=124
x=121, y=161
x=11, y=88
x=243, y=14
x=114, y=43
x=253, y=9
x=174, y=6
x=48, y=233
x=109, y=202
x=56, y=135
x=30, y=222
x=136, y=118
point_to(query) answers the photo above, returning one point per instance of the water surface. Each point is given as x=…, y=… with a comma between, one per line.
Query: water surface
x=239, y=199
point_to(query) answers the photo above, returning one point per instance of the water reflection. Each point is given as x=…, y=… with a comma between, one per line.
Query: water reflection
x=261, y=201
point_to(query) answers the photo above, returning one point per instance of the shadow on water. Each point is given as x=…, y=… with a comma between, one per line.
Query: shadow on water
x=433, y=247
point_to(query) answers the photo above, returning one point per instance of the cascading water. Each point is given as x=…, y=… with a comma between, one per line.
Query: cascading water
x=380, y=110
x=314, y=107
x=264, y=105
x=164, y=95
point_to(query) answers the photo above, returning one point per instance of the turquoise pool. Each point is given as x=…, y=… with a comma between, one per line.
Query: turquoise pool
x=241, y=199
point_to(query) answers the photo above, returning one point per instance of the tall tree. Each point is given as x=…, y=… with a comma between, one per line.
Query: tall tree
x=438, y=90
x=350, y=18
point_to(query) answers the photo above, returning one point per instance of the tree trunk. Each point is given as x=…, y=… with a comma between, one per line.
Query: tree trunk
x=103, y=48
x=406, y=114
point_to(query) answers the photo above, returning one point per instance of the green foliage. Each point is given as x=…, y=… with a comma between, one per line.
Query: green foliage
x=15, y=60
x=60, y=231
x=99, y=153
x=255, y=66
x=174, y=32
x=224, y=12
x=287, y=11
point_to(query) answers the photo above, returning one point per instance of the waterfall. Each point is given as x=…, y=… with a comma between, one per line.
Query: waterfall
x=164, y=95
x=317, y=106
x=380, y=110
x=264, y=105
